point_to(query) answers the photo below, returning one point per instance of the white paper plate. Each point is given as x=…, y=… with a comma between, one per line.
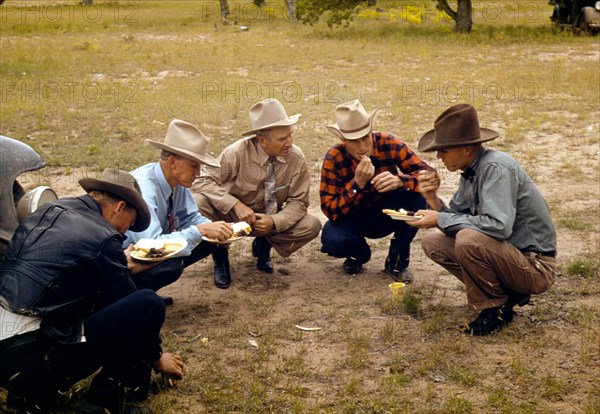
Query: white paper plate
x=215, y=241
x=175, y=246
x=402, y=217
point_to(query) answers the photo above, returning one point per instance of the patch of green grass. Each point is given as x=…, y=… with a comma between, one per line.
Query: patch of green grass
x=458, y=405
x=357, y=351
x=585, y=268
x=573, y=223
x=554, y=388
x=587, y=319
x=411, y=303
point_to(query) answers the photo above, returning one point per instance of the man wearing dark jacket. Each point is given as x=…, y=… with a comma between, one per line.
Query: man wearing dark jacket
x=69, y=306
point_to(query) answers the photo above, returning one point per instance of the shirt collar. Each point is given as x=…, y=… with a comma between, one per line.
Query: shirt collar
x=263, y=157
x=163, y=184
x=471, y=170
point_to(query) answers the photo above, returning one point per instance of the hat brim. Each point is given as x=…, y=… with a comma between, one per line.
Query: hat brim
x=202, y=159
x=291, y=120
x=427, y=142
x=130, y=196
x=335, y=129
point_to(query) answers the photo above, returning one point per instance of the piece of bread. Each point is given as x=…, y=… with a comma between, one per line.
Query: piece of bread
x=241, y=229
x=400, y=212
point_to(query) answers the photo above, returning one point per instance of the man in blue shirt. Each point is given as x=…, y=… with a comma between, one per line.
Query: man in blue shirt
x=497, y=236
x=173, y=212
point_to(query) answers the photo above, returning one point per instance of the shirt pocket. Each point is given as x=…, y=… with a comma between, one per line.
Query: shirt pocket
x=248, y=193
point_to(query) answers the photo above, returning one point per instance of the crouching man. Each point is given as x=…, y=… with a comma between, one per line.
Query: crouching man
x=70, y=307
x=497, y=236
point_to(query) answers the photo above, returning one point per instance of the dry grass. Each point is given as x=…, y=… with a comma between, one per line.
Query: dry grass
x=86, y=94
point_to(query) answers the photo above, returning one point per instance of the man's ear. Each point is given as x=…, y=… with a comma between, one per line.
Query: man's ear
x=120, y=206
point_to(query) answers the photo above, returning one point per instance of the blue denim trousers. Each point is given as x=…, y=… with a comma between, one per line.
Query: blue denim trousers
x=346, y=237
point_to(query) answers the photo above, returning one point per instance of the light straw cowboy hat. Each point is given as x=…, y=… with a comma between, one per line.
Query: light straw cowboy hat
x=124, y=186
x=186, y=140
x=269, y=113
x=457, y=126
x=352, y=120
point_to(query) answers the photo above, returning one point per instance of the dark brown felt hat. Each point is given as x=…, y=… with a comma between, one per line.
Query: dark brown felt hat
x=457, y=126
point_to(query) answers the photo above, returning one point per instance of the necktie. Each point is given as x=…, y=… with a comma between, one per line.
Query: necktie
x=170, y=214
x=270, y=195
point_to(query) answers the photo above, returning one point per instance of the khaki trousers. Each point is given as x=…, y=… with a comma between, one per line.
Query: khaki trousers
x=489, y=268
x=285, y=243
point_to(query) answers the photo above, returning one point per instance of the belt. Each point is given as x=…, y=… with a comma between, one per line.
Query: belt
x=546, y=254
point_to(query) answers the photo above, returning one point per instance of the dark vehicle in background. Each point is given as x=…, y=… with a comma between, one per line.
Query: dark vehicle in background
x=577, y=15
x=17, y=158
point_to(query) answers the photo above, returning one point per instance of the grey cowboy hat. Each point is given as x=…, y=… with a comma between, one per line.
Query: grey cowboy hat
x=124, y=186
x=457, y=126
x=269, y=113
x=352, y=120
x=186, y=140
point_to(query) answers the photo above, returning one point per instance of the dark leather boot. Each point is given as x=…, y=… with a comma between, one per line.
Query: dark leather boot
x=261, y=249
x=394, y=266
x=222, y=275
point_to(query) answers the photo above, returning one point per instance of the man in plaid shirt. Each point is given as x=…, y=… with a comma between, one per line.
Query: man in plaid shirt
x=362, y=175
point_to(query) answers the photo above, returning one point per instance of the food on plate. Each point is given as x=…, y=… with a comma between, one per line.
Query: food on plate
x=241, y=229
x=152, y=249
x=400, y=212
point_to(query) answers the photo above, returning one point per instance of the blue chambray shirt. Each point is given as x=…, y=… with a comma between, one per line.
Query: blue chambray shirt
x=156, y=191
x=502, y=201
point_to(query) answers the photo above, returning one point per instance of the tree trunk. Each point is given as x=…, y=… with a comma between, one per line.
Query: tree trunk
x=291, y=9
x=463, y=16
x=224, y=10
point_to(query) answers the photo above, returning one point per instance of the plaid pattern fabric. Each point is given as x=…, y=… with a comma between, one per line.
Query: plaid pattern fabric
x=338, y=190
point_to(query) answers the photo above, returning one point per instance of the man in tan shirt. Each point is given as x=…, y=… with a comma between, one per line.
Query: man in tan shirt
x=244, y=189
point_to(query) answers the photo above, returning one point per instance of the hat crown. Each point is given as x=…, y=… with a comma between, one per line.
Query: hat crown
x=458, y=124
x=352, y=120
x=351, y=116
x=266, y=113
x=186, y=137
x=186, y=140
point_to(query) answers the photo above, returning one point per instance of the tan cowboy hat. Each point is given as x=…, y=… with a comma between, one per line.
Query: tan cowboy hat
x=124, y=186
x=457, y=126
x=269, y=113
x=186, y=140
x=353, y=121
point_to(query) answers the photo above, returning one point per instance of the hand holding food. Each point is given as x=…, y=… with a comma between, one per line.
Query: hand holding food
x=364, y=171
x=216, y=230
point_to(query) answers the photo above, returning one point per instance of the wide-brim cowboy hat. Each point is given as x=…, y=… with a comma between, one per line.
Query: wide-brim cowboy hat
x=186, y=140
x=457, y=126
x=124, y=186
x=267, y=114
x=352, y=121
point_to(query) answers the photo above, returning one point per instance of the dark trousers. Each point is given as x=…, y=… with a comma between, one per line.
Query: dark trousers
x=346, y=237
x=170, y=270
x=123, y=339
